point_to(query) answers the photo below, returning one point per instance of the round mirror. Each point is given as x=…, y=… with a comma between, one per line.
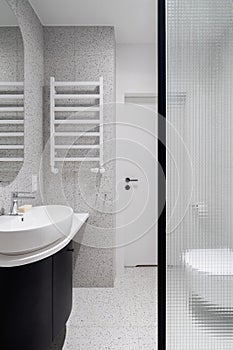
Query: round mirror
x=11, y=95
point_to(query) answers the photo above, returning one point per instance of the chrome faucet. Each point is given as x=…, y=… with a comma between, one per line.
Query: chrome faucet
x=15, y=196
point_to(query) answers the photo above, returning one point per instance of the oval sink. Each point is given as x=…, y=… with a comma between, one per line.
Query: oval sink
x=38, y=228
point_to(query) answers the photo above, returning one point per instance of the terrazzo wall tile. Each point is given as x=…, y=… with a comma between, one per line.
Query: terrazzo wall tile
x=11, y=70
x=81, y=54
x=32, y=33
x=11, y=54
x=59, y=53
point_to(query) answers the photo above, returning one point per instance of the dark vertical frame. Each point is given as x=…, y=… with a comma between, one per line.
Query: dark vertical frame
x=162, y=174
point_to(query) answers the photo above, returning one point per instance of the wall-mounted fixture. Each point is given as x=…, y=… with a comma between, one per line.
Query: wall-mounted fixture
x=76, y=122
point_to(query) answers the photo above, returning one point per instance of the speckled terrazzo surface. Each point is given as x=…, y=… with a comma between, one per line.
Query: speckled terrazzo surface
x=119, y=318
x=11, y=54
x=32, y=32
x=11, y=70
x=85, y=54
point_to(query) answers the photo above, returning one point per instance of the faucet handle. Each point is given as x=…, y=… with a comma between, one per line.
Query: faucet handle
x=22, y=194
x=14, y=194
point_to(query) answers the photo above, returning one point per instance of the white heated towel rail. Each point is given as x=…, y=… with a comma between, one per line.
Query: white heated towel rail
x=11, y=118
x=69, y=100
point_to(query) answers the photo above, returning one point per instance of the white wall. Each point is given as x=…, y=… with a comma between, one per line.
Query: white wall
x=136, y=69
x=136, y=72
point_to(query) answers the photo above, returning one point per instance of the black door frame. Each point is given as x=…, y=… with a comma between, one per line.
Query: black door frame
x=162, y=174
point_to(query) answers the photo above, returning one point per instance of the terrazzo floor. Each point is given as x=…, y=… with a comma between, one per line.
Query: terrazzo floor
x=119, y=318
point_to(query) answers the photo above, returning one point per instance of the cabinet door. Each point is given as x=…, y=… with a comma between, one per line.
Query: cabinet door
x=62, y=288
x=26, y=306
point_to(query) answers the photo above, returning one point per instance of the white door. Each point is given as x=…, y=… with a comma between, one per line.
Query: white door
x=137, y=200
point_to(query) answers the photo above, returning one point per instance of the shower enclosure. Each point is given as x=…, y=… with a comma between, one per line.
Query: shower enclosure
x=199, y=167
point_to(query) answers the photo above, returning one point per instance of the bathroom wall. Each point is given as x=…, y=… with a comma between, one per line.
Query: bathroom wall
x=70, y=53
x=11, y=69
x=79, y=54
x=11, y=54
x=136, y=69
x=32, y=33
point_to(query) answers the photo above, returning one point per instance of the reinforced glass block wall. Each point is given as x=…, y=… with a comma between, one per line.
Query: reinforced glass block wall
x=199, y=174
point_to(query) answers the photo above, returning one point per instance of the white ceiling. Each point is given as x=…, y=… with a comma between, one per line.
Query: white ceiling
x=7, y=17
x=134, y=20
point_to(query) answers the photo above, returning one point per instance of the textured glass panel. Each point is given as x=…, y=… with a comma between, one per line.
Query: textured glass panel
x=200, y=175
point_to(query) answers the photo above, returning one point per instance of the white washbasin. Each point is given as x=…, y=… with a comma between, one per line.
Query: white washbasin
x=38, y=228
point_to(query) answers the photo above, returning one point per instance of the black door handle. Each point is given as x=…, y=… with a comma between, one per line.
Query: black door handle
x=127, y=179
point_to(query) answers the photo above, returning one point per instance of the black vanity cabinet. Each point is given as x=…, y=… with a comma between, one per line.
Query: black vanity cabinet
x=35, y=301
x=62, y=288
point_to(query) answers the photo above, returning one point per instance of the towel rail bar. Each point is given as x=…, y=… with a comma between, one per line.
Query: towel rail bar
x=56, y=131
